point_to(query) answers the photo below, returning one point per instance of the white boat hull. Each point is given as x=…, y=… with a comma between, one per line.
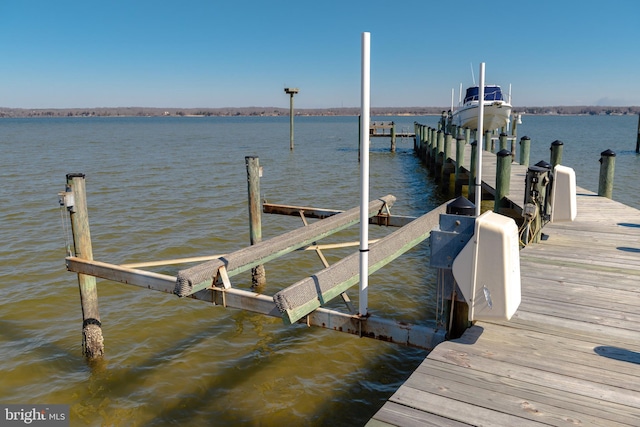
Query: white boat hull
x=496, y=115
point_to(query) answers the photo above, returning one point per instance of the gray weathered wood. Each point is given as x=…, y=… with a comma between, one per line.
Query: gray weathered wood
x=571, y=353
x=203, y=276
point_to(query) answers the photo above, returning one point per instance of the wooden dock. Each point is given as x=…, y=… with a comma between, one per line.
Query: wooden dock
x=571, y=353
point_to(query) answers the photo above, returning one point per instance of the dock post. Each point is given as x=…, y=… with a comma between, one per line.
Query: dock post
x=424, y=149
x=556, y=153
x=488, y=143
x=92, y=339
x=607, y=169
x=433, y=144
x=258, y=275
x=503, y=179
x=460, y=143
x=415, y=136
x=471, y=194
x=525, y=149
x=439, y=155
x=291, y=91
x=514, y=126
x=467, y=135
x=503, y=141
x=393, y=137
x=447, y=166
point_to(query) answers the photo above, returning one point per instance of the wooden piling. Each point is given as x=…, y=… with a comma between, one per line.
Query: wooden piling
x=525, y=148
x=471, y=194
x=607, y=169
x=503, y=179
x=556, y=153
x=92, y=339
x=460, y=143
x=258, y=275
x=393, y=137
x=291, y=91
x=503, y=141
x=447, y=166
x=439, y=155
x=488, y=144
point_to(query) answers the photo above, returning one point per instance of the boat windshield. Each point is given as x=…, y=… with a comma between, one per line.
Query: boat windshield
x=491, y=93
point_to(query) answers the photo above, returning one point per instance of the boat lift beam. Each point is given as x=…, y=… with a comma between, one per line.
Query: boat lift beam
x=425, y=336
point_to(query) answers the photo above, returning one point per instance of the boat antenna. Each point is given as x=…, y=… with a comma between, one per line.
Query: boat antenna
x=473, y=77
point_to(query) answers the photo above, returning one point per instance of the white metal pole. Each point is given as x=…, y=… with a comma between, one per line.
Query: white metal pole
x=364, y=174
x=478, y=183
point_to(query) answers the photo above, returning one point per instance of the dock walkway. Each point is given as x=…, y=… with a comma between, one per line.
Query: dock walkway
x=571, y=353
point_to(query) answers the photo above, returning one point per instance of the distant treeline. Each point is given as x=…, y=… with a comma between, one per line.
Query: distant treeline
x=275, y=111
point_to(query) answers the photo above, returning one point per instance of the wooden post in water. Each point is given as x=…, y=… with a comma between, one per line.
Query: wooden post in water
x=607, y=169
x=258, y=275
x=471, y=195
x=92, y=340
x=393, y=137
x=556, y=153
x=525, y=148
x=291, y=91
x=460, y=143
x=503, y=179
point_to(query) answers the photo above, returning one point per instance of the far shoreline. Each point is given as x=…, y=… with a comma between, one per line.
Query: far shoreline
x=300, y=112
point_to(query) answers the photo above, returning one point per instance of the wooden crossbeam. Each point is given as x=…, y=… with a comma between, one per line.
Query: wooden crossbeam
x=202, y=276
x=420, y=336
x=301, y=298
x=309, y=212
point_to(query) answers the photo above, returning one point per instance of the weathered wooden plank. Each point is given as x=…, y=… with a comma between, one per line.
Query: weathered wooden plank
x=425, y=336
x=393, y=414
x=498, y=391
x=454, y=408
x=202, y=276
x=302, y=297
x=319, y=213
x=569, y=327
x=551, y=380
x=543, y=357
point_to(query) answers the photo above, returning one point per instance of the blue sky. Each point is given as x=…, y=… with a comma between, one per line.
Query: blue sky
x=157, y=53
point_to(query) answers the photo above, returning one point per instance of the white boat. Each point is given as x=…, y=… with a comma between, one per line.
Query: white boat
x=496, y=110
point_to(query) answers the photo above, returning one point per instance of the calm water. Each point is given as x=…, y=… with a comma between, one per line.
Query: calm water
x=163, y=188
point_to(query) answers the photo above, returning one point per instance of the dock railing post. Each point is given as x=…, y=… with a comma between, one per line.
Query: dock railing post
x=258, y=275
x=525, y=149
x=503, y=179
x=607, y=170
x=556, y=153
x=92, y=339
